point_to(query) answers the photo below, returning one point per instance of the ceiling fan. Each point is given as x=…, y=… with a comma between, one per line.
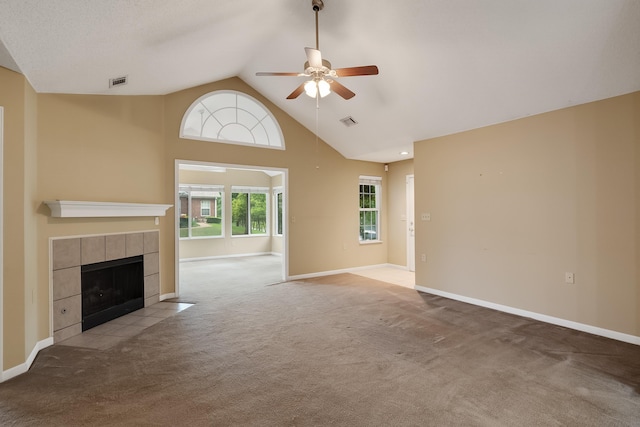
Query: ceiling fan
x=322, y=78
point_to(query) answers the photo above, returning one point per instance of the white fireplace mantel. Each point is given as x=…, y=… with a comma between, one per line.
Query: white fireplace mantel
x=84, y=209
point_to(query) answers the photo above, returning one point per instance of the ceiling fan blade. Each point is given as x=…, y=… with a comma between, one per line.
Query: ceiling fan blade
x=264, y=73
x=341, y=90
x=296, y=93
x=313, y=57
x=367, y=70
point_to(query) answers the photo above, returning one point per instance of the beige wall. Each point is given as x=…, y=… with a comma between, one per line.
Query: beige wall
x=123, y=148
x=13, y=98
x=34, y=304
x=397, y=208
x=323, y=185
x=514, y=206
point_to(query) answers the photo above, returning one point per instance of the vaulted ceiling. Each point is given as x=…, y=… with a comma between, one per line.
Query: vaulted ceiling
x=445, y=66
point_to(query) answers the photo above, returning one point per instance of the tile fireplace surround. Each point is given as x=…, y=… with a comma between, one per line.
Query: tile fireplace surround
x=70, y=254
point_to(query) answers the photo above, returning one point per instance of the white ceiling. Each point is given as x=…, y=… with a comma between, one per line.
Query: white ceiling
x=445, y=66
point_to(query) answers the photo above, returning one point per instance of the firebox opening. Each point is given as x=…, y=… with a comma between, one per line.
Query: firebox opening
x=111, y=289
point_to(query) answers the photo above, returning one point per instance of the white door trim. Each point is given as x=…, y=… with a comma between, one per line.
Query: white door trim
x=1, y=243
x=411, y=223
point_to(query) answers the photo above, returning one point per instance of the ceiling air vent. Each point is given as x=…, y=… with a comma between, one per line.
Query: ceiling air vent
x=349, y=121
x=117, y=81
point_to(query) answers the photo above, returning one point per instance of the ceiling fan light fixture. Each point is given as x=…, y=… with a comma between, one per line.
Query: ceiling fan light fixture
x=324, y=88
x=323, y=77
x=314, y=87
x=311, y=88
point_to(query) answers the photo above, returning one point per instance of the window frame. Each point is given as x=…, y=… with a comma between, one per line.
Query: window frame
x=376, y=182
x=273, y=138
x=189, y=188
x=208, y=208
x=249, y=191
x=278, y=212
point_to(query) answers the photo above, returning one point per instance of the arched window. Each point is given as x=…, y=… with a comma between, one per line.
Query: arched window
x=233, y=118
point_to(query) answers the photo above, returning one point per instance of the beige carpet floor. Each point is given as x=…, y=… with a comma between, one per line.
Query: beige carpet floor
x=340, y=350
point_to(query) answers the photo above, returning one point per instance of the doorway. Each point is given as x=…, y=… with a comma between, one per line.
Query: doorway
x=411, y=225
x=226, y=214
x=1, y=243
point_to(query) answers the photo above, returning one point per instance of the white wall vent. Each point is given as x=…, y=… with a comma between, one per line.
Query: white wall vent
x=349, y=121
x=117, y=81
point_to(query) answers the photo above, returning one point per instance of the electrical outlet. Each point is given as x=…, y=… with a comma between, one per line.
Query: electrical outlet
x=568, y=278
x=423, y=257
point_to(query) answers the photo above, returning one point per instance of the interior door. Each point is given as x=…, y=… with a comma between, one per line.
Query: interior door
x=411, y=226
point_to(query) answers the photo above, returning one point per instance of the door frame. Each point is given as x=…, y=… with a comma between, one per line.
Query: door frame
x=285, y=236
x=411, y=222
x=1, y=243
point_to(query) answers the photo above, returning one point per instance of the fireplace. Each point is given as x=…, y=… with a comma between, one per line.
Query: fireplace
x=111, y=289
x=70, y=256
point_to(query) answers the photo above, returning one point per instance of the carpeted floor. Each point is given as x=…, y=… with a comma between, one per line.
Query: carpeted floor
x=338, y=350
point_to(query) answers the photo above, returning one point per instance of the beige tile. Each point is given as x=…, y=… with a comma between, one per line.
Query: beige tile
x=147, y=311
x=93, y=250
x=151, y=300
x=78, y=340
x=66, y=282
x=151, y=285
x=107, y=341
x=175, y=306
x=151, y=242
x=134, y=244
x=127, y=319
x=116, y=247
x=117, y=330
x=128, y=331
x=104, y=329
x=67, y=312
x=184, y=306
x=67, y=333
x=66, y=253
x=98, y=342
x=147, y=321
x=151, y=263
x=163, y=313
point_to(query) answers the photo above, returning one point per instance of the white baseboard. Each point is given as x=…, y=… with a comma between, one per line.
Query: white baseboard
x=167, y=296
x=341, y=271
x=207, y=258
x=24, y=367
x=607, y=333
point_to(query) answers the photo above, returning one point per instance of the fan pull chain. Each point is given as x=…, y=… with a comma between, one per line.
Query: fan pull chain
x=317, y=143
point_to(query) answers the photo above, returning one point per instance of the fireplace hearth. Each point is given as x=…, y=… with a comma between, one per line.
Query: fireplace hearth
x=111, y=289
x=71, y=256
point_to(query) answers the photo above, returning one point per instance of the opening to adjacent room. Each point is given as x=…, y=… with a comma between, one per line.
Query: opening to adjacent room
x=230, y=225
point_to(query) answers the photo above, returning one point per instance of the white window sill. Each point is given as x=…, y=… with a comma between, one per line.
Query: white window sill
x=370, y=242
x=201, y=237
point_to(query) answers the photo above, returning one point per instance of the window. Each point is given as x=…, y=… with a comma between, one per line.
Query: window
x=201, y=211
x=370, y=208
x=205, y=208
x=233, y=118
x=278, y=215
x=249, y=211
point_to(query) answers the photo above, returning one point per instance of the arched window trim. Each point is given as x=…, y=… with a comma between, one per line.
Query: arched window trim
x=266, y=111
